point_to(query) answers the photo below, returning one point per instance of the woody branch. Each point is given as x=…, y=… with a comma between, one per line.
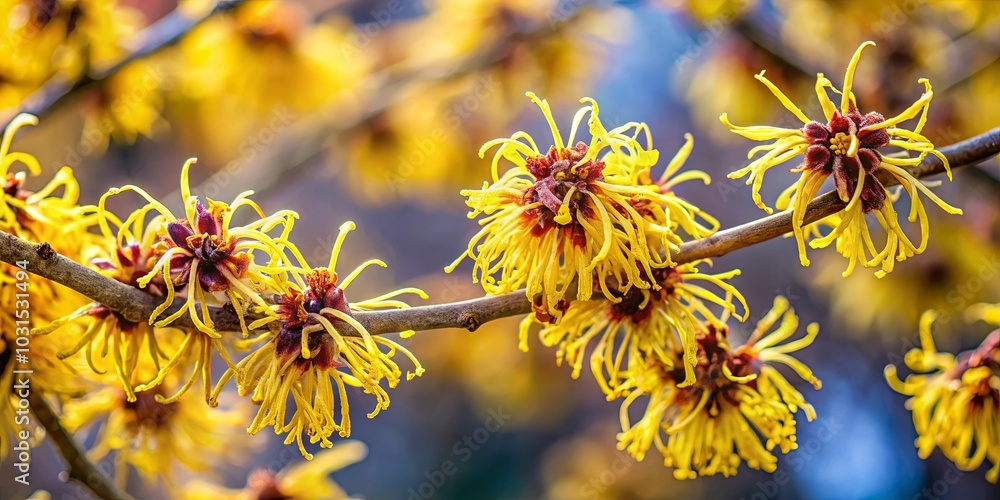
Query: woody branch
x=137, y=305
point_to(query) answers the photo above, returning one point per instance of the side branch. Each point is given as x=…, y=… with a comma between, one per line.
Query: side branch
x=80, y=469
x=137, y=305
x=159, y=35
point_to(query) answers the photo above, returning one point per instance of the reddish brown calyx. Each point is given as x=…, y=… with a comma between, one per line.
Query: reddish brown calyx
x=540, y=306
x=713, y=355
x=986, y=356
x=635, y=307
x=207, y=242
x=12, y=187
x=147, y=412
x=262, y=484
x=556, y=174
x=134, y=262
x=323, y=293
x=298, y=312
x=844, y=146
x=104, y=313
x=322, y=348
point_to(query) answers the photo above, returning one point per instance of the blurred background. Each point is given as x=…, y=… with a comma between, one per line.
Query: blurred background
x=374, y=111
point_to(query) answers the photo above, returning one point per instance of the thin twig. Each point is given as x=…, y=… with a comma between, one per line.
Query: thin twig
x=159, y=35
x=80, y=469
x=310, y=136
x=136, y=305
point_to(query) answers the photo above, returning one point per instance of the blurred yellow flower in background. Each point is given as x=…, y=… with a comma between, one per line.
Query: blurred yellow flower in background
x=152, y=435
x=947, y=276
x=584, y=466
x=307, y=480
x=236, y=71
x=955, y=400
x=126, y=106
x=58, y=38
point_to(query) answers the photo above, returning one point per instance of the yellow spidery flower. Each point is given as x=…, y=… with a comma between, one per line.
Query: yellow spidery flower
x=847, y=147
x=304, y=358
x=131, y=255
x=49, y=215
x=208, y=253
x=955, y=400
x=555, y=216
x=206, y=260
x=643, y=323
x=152, y=435
x=667, y=209
x=40, y=215
x=301, y=481
x=739, y=400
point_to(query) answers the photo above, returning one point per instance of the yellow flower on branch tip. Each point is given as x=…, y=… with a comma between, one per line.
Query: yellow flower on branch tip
x=312, y=344
x=301, y=481
x=642, y=324
x=955, y=400
x=740, y=408
x=847, y=148
x=556, y=215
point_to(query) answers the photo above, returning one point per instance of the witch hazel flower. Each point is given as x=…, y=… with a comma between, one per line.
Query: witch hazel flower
x=849, y=146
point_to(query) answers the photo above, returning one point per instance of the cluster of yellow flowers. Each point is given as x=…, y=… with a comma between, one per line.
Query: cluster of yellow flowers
x=581, y=216
x=132, y=379
x=246, y=73
x=43, y=40
x=583, y=228
x=41, y=215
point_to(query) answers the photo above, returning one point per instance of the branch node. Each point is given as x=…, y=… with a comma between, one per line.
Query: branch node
x=470, y=321
x=45, y=251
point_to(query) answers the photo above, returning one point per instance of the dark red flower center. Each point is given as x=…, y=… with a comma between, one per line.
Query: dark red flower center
x=712, y=356
x=103, y=312
x=263, y=485
x=843, y=147
x=631, y=306
x=148, y=412
x=11, y=185
x=206, y=241
x=294, y=310
x=556, y=175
